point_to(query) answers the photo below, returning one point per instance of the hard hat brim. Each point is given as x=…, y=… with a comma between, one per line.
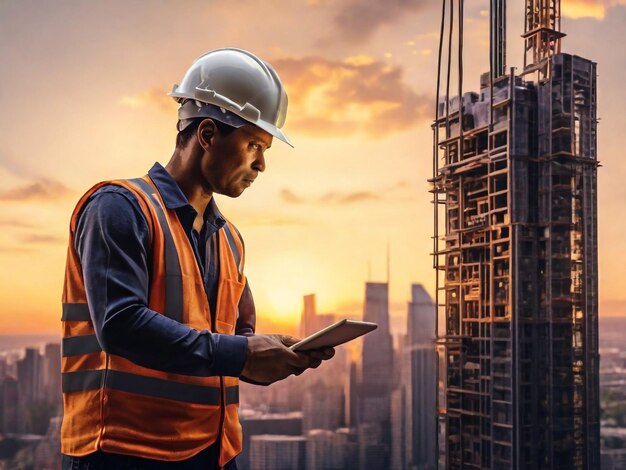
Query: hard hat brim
x=191, y=109
x=275, y=131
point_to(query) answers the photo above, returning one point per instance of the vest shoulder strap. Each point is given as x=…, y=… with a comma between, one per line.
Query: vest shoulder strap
x=173, y=274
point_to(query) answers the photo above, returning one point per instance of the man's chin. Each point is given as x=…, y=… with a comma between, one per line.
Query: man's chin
x=232, y=192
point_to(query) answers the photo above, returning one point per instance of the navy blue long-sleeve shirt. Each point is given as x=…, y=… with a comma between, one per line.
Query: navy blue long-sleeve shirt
x=113, y=243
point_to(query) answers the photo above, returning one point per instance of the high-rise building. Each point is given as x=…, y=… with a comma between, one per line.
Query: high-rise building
x=351, y=389
x=399, y=435
x=48, y=450
x=12, y=413
x=323, y=399
x=613, y=459
x=376, y=376
x=323, y=404
x=30, y=377
x=52, y=373
x=3, y=367
x=311, y=321
x=515, y=191
x=277, y=452
x=257, y=424
x=308, y=322
x=413, y=401
x=331, y=450
x=422, y=381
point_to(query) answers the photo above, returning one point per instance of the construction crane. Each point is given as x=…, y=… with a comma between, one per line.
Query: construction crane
x=497, y=38
x=542, y=35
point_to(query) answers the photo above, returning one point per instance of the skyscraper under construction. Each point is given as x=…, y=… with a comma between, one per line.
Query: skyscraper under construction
x=515, y=251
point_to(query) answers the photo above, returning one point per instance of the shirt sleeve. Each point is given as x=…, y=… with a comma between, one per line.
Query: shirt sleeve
x=246, y=322
x=113, y=243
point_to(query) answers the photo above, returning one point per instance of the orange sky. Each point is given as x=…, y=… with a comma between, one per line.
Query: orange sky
x=83, y=99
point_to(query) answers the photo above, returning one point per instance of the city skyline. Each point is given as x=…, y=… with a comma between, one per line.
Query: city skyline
x=359, y=117
x=326, y=429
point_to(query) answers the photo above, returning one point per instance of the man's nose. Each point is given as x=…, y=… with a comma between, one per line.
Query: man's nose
x=259, y=163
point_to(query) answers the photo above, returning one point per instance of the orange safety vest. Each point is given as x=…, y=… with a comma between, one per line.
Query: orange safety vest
x=114, y=405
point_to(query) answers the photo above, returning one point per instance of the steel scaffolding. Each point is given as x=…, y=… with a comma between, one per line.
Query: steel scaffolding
x=515, y=255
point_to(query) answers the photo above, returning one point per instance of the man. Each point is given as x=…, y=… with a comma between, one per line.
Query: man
x=158, y=317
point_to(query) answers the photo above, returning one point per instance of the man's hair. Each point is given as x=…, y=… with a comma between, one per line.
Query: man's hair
x=183, y=137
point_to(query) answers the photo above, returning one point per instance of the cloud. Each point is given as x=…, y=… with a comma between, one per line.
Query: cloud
x=275, y=221
x=395, y=191
x=357, y=95
x=290, y=197
x=349, y=198
x=576, y=9
x=155, y=96
x=38, y=239
x=330, y=198
x=358, y=20
x=17, y=165
x=14, y=250
x=15, y=223
x=42, y=190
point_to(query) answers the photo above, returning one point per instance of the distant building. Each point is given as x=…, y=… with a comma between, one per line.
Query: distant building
x=351, y=397
x=331, y=450
x=375, y=390
x=3, y=367
x=48, y=451
x=12, y=420
x=308, y=321
x=256, y=424
x=52, y=373
x=277, y=452
x=399, y=439
x=421, y=381
x=323, y=405
x=30, y=377
x=311, y=321
x=613, y=459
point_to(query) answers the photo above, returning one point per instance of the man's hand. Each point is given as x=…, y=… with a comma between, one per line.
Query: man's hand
x=269, y=359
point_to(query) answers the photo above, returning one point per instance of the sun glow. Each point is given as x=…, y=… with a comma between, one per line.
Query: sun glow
x=285, y=305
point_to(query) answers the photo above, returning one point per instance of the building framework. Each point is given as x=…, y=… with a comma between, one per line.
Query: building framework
x=515, y=252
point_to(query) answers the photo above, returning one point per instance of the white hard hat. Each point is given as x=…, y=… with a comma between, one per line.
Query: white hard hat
x=234, y=81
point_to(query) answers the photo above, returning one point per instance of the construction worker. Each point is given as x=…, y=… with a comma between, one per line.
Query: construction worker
x=158, y=317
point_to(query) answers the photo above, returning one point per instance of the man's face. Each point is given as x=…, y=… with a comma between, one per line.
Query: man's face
x=236, y=159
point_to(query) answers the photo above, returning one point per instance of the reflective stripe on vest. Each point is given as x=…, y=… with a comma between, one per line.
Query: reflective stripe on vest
x=117, y=380
x=115, y=405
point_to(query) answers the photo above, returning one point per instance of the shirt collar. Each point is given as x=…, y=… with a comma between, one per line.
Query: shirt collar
x=174, y=198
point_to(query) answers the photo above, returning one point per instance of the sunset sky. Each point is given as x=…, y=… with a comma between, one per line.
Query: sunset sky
x=83, y=89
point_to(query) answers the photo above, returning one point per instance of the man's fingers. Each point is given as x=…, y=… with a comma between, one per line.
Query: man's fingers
x=322, y=354
x=300, y=360
x=288, y=340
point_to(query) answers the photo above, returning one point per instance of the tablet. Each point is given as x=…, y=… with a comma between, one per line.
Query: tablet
x=334, y=335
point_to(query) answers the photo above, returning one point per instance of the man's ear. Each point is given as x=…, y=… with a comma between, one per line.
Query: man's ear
x=206, y=133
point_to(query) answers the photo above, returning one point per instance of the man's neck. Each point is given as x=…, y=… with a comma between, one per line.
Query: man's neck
x=183, y=171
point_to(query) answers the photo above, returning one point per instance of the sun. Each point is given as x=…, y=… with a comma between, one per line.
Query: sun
x=284, y=305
